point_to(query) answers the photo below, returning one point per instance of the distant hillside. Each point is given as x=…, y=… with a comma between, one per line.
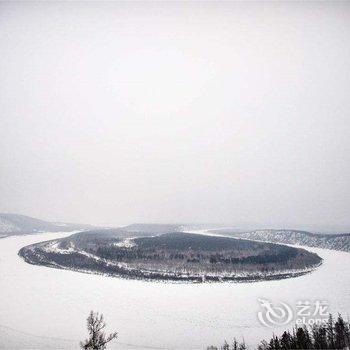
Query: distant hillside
x=153, y=228
x=107, y=234
x=339, y=241
x=164, y=228
x=14, y=224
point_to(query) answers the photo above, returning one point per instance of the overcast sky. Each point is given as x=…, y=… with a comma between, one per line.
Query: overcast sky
x=176, y=112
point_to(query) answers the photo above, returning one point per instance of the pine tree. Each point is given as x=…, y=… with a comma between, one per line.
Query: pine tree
x=97, y=339
x=340, y=333
x=277, y=343
x=263, y=345
x=242, y=346
x=286, y=340
x=225, y=346
x=303, y=338
x=330, y=333
x=294, y=339
x=319, y=335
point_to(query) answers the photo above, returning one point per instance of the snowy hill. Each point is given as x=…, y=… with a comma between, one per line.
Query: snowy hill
x=340, y=241
x=14, y=224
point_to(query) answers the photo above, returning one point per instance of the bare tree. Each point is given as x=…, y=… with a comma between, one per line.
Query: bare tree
x=97, y=338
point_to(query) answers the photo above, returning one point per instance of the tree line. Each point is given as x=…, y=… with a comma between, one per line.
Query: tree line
x=333, y=334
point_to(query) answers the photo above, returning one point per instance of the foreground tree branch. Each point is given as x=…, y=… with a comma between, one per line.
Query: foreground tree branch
x=97, y=338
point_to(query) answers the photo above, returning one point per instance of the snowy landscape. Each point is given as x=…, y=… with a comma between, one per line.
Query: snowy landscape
x=173, y=308
x=174, y=175
x=174, y=316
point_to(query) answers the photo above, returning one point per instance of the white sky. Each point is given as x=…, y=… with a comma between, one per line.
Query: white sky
x=176, y=112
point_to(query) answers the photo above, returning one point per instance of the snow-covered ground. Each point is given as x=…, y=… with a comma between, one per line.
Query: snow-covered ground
x=44, y=308
x=127, y=243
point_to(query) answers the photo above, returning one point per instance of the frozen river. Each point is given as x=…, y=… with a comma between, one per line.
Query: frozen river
x=44, y=308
